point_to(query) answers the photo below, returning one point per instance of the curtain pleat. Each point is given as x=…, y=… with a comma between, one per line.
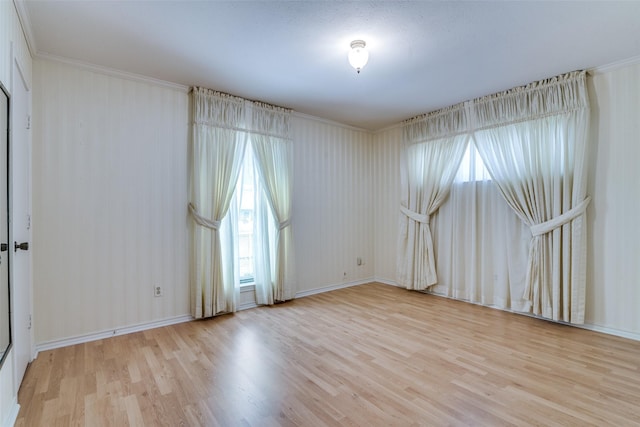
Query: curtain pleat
x=217, y=149
x=273, y=151
x=430, y=159
x=539, y=165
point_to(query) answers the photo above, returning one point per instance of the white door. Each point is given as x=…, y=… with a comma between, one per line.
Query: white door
x=5, y=310
x=20, y=170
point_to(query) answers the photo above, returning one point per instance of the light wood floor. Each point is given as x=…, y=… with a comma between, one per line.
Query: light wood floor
x=372, y=355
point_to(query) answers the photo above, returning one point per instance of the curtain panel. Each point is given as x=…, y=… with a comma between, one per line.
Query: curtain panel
x=217, y=148
x=533, y=141
x=433, y=148
x=273, y=152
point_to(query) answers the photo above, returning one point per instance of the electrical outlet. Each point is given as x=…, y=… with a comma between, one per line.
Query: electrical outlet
x=157, y=291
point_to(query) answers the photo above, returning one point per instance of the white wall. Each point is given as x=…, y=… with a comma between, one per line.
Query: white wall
x=109, y=201
x=613, y=286
x=386, y=201
x=332, y=209
x=613, y=283
x=12, y=45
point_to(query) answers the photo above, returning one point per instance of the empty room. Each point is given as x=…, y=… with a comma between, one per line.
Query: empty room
x=319, y=213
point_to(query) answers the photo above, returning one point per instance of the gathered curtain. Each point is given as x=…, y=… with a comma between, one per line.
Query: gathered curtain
x=533, y=142
x=217, y=148
x=273, y=157
x=433, y=148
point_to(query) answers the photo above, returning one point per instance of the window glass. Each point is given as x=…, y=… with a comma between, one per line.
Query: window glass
x=472, y=167
x=246, y=199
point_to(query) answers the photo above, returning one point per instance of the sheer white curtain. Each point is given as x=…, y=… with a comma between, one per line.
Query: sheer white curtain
x=533, y=141
x=273, y=154
x=433, y=148
x=480, y=244
x=217, y=148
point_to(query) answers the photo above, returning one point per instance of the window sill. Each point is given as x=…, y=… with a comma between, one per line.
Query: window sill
x=248, y=287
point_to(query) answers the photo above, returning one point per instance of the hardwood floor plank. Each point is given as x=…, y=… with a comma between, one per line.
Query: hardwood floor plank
x=371, y=355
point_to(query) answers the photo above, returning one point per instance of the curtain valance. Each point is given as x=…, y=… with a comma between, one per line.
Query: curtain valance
x=218, y=109
x=555, y=95
x=224, y=111
x=269, y=120
x=439, y=124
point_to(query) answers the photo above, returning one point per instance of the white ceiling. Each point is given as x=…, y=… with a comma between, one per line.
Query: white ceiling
x=424, y=55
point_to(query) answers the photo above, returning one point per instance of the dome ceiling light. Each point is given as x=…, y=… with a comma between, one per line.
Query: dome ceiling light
x=358, y=55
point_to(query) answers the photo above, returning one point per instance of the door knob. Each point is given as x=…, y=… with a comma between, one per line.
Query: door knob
x=23, y=246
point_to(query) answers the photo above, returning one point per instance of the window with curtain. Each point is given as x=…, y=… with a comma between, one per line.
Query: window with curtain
x=241, y=165
x=254, y=224
x=532, y=141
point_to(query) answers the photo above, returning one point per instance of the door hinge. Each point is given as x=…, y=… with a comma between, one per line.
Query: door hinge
x=28, y=121
x=28, y=222
x=29, y=325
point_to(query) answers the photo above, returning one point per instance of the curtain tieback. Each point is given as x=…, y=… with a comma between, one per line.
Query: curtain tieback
x=200, y=220
x=560, y=220
x=284, y=224
x=414, y=215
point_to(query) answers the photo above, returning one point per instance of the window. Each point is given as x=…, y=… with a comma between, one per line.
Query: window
x=480, y=245
x=246, y=204
x=472, y=167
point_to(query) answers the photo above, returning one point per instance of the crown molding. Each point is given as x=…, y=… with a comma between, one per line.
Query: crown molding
x=634, y=60
x=25, y=23
x=113, y=72
x=329, y=122
x=387, y=128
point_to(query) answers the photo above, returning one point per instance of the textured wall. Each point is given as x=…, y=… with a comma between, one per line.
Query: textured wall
x=332, y=209
x=109, y=201
x=613, y=284
x=386, y=201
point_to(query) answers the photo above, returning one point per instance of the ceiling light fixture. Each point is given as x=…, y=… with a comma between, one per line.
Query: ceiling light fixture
x=358, y=55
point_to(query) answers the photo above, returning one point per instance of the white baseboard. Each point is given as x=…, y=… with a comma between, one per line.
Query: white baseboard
x=332, y=287
x=609, y=331
x=12, y=416
x=79, y=339
x=386, y=282
x=588, y=326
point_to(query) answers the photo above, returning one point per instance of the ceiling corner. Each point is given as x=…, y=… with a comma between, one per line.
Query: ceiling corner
x=25, y=23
